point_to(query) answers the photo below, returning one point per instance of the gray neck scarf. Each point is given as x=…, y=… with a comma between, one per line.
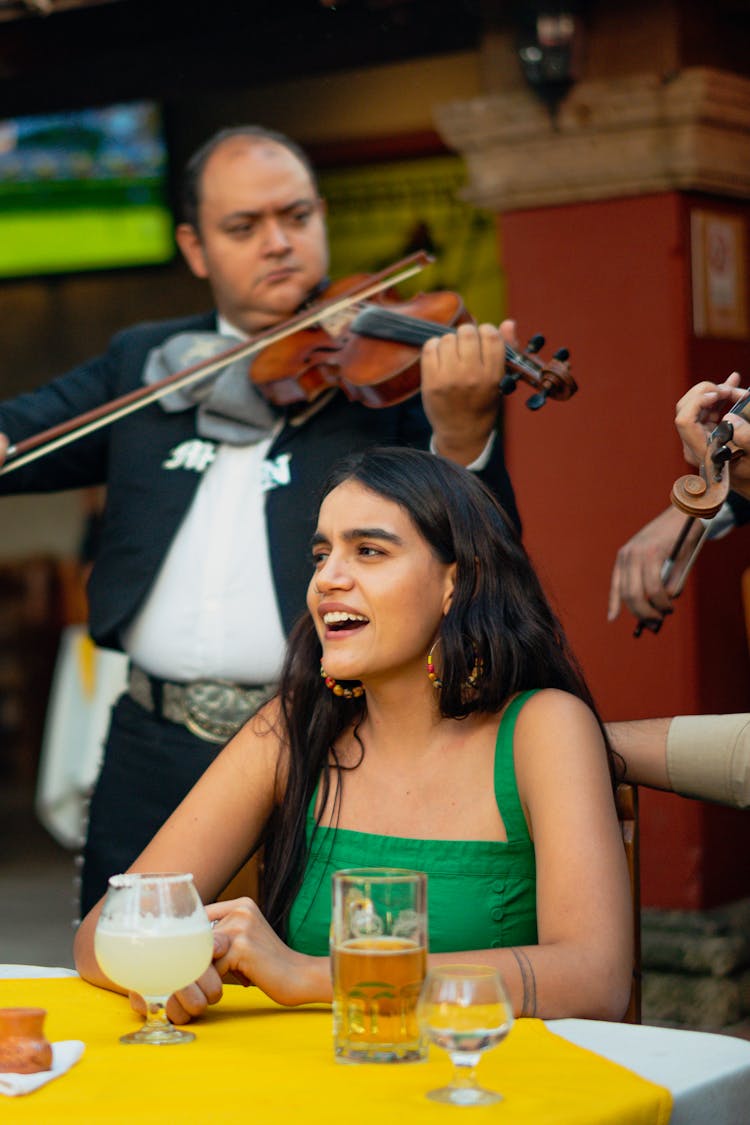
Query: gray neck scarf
x=229, y=407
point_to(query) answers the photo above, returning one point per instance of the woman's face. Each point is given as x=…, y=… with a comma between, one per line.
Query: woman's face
x=379, y=591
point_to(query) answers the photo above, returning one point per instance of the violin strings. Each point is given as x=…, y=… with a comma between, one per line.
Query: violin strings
x=398, y=327
x=386, y=324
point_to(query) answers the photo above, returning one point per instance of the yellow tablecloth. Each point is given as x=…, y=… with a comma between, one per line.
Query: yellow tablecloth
x=253, y=1062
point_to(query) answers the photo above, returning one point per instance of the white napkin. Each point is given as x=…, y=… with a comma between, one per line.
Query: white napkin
x=64, y=1055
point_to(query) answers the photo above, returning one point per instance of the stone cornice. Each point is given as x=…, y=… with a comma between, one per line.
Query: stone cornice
x=630, y=136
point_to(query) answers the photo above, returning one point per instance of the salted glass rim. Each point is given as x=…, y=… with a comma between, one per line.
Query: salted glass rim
x=380, y=874
x=132, y=878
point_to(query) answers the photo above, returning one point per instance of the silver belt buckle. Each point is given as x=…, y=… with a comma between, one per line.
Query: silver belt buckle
x=216, y=709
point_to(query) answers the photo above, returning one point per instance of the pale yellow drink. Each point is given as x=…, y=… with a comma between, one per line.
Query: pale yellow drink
x=156, y=961
x=376, y=985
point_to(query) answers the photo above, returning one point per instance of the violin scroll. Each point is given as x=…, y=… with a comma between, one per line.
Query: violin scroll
x=693, y=496
x=702, y=496
x=549, y=380
x=698, y=497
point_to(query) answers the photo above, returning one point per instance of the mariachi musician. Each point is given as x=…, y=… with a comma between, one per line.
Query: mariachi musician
x=203, y=558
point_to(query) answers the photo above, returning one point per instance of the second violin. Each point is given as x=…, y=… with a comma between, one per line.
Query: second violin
x=699, y=496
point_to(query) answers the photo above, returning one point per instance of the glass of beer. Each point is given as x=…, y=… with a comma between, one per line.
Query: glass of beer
x=378, y=963
x=153, y=937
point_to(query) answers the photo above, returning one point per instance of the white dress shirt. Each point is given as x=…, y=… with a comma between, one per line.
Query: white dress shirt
x=212, y=611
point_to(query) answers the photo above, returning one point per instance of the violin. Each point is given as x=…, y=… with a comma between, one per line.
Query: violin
x=372, y=353
x=700, y=496
x=358, y=338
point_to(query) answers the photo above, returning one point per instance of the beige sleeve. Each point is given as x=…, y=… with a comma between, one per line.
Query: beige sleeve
x=708, y=756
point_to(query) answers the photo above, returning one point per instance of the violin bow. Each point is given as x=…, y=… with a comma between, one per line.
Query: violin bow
x=699, y=497
x=39, y=445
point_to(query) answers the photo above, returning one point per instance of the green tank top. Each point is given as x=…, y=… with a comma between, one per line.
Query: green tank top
x=481, y=893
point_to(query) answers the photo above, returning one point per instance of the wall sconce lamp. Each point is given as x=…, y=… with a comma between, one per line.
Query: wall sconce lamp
x=550, y=48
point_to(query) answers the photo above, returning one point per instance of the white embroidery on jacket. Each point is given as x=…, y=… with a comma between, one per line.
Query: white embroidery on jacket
x=275, y=473
x=195, y=455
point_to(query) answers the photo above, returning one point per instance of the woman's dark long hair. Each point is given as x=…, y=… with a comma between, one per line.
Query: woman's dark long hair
x=498, y=616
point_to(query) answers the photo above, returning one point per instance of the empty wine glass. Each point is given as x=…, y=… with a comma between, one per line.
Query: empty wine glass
x=153, y=937
x=465, y=1010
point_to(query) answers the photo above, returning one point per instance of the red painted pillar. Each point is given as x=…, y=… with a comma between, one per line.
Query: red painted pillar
x=611, y=280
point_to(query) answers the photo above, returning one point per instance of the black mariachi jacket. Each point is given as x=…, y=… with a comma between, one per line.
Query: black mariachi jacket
x=152, y=461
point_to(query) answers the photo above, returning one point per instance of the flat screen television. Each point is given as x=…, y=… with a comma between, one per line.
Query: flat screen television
x=84, y=190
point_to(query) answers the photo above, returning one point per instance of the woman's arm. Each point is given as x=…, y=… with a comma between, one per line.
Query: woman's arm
x=582, y=965
x=213, y=830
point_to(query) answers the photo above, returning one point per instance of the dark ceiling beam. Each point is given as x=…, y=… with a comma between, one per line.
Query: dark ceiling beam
x=133, y=48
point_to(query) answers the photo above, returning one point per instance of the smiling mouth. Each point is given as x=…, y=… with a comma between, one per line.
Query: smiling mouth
x=339, y=622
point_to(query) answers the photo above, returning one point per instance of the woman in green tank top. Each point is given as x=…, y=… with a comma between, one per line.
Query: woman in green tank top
x=429, y=716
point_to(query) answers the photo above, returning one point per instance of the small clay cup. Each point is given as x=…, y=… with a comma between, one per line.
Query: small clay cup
x=23, y=1047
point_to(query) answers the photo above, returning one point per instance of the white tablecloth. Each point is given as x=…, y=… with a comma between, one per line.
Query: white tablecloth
x=708, y=1074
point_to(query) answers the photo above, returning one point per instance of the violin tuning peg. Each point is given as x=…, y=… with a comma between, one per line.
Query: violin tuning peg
x=652, y=624
x=535, y=344
x=562, y=354
x=723, y=433
x=721, y=455
x=537, y=401
x=508, y=384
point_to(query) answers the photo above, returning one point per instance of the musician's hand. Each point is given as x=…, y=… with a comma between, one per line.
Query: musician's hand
x=701, y=409
x=636, y=577
x=4, y=443
x=509, y=333
x=461, y=375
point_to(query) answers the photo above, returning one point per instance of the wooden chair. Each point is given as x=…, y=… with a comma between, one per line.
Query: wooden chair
x=626, y=799
x=745, y=592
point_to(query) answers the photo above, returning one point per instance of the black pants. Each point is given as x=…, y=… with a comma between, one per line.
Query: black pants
x=149, y=765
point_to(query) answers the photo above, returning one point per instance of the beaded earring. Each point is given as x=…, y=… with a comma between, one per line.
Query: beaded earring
x=471, y=680
x=339, y=689
x=432, y=675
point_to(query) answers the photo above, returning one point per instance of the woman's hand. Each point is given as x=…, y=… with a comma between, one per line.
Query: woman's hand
x=193, y=1000
x=250, y=952
x=245, y=945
